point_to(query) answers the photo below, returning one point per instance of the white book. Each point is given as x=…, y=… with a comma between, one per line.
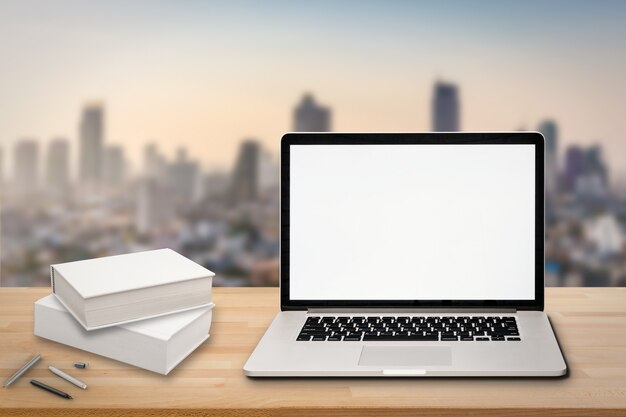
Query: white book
x=157, y=344
x=119, y=289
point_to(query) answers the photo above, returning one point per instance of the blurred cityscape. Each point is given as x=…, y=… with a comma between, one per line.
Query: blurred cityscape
x=228, y=220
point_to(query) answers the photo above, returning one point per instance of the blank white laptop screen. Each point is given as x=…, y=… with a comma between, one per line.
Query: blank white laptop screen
x=412, y=222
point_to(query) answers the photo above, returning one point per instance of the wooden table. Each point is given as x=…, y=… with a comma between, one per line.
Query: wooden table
x=590, y=324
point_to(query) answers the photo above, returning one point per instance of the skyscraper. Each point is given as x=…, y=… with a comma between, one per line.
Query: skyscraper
x=445, y=108
x=595, y=166
x=155, y=207
x=26, y=167
x=91, y=142
x=154, y=163
x=58, y=167
x=574, y=167
x=244, y=183
x=184, y=176
x=550, y=132
x=586, y=173
x=268, y=171
x=113, y=166
x=310, y=117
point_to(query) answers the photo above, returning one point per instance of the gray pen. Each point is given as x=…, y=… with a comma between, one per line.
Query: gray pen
x=22, y=371
x=68, y=378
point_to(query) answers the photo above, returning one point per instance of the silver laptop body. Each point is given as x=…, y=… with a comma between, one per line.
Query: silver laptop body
x=411, y=254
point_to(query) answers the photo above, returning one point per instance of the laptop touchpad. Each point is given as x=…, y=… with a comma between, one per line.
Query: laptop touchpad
x=405, y=356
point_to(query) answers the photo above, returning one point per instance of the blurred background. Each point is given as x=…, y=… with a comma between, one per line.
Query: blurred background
x=126, y=126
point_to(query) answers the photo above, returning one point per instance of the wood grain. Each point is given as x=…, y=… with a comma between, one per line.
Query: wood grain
x=590, y=325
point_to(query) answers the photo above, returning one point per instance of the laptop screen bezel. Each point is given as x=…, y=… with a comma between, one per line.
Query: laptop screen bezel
x=452, y=138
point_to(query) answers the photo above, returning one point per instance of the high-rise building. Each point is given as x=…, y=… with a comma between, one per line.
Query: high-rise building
x=244, y=183
x=586, y=173
x=26, y=167
x=91, y=133
x=184, y=176
x=268, y=171
x=114, y=165
x=155, y=206
x=594, y=184
x=594, y=164
x=154, y=163
x=58, y=167
x=550, y=132
x=446, y=108
x=574, y=167
x=310, y=117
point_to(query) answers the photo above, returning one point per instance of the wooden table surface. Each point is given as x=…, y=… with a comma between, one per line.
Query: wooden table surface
x=590, y=324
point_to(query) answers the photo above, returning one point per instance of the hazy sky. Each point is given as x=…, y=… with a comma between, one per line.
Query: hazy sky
x=205, y=75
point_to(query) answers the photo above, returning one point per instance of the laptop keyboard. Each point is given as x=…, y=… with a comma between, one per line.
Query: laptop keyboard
x=430, y=328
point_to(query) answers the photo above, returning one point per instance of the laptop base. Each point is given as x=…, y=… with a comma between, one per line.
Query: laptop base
x=280, y=354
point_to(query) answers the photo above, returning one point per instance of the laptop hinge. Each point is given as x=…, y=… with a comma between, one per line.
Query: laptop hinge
x=408, y=310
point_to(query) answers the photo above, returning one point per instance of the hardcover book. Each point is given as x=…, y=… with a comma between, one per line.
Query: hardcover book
x=119, y=289
x=157, y=344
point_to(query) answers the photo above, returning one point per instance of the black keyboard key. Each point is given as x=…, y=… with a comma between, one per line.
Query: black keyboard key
x=497, y=338
x=377, y=338
x=467, y=338
x=319, y=338
x=516, y=339
x=352, y=338
x=397, y=337
x=482, y=339
x=303, y=338
x=315, y=333
x=427, y=337
x=400, y=338
x=334, y=338
x=449, y=338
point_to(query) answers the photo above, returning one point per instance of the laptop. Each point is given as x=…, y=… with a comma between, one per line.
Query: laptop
x=411, y=254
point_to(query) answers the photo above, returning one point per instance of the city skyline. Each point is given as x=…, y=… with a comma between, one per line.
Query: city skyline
x=205, y=75
x=228, y=221
x=101, y=163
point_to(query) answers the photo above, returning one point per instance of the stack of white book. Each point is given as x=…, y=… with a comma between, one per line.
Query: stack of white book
x=149, y=309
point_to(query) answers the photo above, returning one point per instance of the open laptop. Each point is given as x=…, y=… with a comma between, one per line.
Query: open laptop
x=411, y=254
